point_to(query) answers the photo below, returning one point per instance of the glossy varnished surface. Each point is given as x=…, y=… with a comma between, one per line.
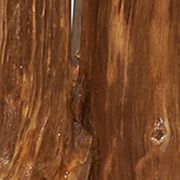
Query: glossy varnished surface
x=130, y=57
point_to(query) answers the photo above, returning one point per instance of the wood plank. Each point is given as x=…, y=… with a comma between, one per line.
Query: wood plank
x=34, y=58
x=129, y=57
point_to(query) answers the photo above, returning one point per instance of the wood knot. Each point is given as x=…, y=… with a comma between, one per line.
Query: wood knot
x=160, y=134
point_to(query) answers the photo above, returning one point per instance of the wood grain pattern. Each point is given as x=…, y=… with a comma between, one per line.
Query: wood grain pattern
x=34, y=41
x=100, y=103
x=41, y=135
x=130, y=57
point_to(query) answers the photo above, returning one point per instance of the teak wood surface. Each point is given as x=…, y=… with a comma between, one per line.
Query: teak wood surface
x=100, y=101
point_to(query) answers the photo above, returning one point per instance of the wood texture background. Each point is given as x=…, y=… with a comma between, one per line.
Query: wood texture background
x=101, y=103
x=34, y=54
x=130, y=56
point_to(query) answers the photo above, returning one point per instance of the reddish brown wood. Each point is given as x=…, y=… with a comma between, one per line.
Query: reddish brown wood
x=129, y=57
x=34, y=55
x=99, y=103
